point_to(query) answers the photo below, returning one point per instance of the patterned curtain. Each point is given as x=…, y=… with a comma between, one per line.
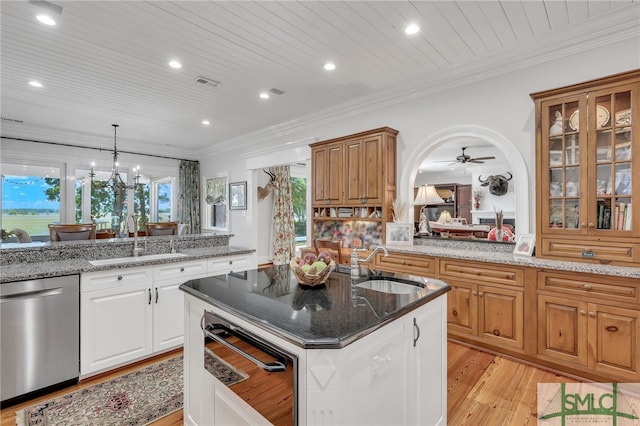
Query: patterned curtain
x=283, y=233
x=189, y=190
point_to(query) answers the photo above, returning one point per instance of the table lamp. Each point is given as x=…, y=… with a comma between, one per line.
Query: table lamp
x=427, y=194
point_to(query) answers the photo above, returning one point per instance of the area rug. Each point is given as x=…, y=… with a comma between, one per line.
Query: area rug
x=135, y=399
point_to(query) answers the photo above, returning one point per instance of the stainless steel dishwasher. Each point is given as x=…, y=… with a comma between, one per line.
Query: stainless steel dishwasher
x=39, y=336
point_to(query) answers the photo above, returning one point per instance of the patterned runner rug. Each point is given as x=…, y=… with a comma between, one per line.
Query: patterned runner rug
x=136, y=399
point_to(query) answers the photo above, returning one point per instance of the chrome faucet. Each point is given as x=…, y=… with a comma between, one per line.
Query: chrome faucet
x=172, y=246
x=136, y=249
x=356, y=261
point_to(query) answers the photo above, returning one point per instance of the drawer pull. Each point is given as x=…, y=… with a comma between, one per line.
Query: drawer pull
x=611, y=328
x=496, y=332
x=587, y=286
x=182, y=269
x=119, y=277
x=454, y=312
x=149, y=296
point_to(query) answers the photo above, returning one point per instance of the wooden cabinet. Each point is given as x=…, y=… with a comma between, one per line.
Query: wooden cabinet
x=586, y=138
x=354, y=179
x=486, y=302
x=587, y=322
x=327, y=166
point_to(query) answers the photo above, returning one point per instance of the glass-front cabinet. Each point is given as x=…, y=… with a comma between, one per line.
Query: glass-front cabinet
x=587, y=135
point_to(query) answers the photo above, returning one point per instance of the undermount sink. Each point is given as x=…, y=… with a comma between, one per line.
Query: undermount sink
x=392, y=287
x=132, y=259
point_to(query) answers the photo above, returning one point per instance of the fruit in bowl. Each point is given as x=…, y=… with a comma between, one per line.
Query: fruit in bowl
x=312, y=270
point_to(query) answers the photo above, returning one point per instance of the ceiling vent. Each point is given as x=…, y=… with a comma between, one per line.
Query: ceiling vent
x=276, y=91
x=207, y=81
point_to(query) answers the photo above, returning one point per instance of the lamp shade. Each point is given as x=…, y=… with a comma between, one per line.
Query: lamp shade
x=427, y=194
x=445, y=217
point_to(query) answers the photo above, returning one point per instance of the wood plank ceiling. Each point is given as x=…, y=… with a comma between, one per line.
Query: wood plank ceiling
x=106, y=61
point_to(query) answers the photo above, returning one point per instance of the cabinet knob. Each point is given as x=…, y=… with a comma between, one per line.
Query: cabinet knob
x=475, y=293
x=496, y=332
x=583, y=312
x=592, y=314
x=480, y=294
x=587, y=286
x=583, y=225
x=119, y=277
x=591, y=225
x=182, y=269
x=611, y=328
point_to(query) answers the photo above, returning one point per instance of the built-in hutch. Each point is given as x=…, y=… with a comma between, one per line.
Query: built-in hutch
x=353, y=186
x=586, y=138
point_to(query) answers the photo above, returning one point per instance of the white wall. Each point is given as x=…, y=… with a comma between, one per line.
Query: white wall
x=501, y=105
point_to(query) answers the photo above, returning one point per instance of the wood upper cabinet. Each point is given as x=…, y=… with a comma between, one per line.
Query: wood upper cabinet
x=586, y=138
x=327, y=165
x=354, y=179
x=363, y=172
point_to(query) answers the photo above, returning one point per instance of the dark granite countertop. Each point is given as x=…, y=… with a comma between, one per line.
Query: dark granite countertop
x=328, y=317
x=42, y=269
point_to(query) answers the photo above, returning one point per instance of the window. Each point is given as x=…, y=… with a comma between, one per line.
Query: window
x=162, y=200
x=299, y=196
x=31, y=199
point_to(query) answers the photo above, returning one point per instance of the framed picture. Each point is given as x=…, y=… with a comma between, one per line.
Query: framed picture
x=525, y=244
x=238, y=195
x=399, y=234
x=216, y=204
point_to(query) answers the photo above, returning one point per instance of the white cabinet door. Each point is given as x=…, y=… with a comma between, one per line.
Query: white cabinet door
x=168, y=314
x=115, y=326
x=425, y=329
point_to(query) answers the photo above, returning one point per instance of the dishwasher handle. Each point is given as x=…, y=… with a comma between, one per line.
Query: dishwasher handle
x=272, y=367
x=32, y=294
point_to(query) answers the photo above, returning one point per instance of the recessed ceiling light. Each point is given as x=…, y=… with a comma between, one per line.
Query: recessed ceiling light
x=411, y=29
x=35, y=83
x=175, y=64
x=329, y=66
x=264, y=95
x=46, y=19
x=205, y=122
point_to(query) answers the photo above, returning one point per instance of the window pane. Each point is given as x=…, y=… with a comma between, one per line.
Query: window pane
x=299, y=195
x=30, y=199
x=163, y=201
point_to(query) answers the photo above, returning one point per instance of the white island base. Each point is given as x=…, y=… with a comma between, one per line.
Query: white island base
x=395, y=375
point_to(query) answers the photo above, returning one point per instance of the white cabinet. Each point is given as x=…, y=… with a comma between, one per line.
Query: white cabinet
x=226, y=264
x=115, y=318
x=128, y=314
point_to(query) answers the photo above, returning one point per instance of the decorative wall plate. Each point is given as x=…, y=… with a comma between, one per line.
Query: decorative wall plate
x=602, y=118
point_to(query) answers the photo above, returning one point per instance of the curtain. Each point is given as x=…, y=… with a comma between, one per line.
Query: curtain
x=283, y=232
x=189, y=190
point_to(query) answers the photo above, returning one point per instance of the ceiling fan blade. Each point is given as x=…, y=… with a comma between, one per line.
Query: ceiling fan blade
x=484, y=158
x=475, y=160
x=443, y=161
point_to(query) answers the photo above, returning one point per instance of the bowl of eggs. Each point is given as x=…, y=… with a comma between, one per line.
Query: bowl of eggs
x=312, y=270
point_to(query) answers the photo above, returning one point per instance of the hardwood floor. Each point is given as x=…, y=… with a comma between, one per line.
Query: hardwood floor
x=482, y=389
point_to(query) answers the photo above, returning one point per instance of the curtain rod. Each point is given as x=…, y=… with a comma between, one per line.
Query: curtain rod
x=98, y=149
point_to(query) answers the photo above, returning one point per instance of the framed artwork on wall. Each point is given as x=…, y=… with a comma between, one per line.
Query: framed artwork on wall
x=238, y=195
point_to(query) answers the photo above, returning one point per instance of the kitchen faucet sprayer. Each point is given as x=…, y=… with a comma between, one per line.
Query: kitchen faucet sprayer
x=356, y=261
x=136, y=249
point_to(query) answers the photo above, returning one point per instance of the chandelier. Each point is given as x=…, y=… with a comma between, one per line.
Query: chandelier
x=115, y=181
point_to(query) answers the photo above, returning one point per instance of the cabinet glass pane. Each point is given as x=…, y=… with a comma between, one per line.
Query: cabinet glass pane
x=623, y=179
x=555, y=214
x=604, y=180
x=603, y=146
x=572, y=213
x=572, y=185
x=604, y=214
x=555, y=182
x=572, y=150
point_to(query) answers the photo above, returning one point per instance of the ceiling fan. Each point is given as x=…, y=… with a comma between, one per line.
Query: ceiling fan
x=465, y=158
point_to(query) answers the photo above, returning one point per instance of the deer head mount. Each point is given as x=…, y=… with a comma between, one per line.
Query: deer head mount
x=263, y=192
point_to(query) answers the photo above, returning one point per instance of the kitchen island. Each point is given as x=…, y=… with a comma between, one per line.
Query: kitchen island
x=350, y=352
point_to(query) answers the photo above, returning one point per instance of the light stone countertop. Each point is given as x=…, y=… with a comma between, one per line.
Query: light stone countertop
x=497, y=253
x=55, y=268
